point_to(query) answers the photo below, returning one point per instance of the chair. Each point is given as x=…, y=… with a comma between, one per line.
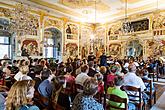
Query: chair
x=117, y=99
x=135, y=96
x=151, y=93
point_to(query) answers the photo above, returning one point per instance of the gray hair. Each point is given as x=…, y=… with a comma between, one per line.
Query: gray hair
x=90, y=86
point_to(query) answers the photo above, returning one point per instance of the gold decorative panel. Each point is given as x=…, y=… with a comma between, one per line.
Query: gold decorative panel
x=72, y=49
x=155, y=48
x=53, y=23
x=84, y=44
x=115, y=49
x=72, y=31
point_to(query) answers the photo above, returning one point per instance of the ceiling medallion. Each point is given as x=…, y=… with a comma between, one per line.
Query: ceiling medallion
x=79, y=3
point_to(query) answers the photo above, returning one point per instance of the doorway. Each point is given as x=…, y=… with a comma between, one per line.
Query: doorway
x=52, y=43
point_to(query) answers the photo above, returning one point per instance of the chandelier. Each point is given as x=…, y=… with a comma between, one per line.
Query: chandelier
x=22, y=22
x=127, y=27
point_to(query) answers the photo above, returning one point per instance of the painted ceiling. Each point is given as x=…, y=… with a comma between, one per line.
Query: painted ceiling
x=94, y=11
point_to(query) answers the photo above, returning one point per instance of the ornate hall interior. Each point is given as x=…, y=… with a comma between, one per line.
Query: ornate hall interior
x=74, y=29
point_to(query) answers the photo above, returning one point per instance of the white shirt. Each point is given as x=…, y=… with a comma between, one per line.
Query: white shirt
x=131, y=79
x=126, y=66
x=18, y=76
x=81, y=78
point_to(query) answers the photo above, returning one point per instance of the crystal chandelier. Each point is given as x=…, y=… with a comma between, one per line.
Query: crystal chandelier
x=22, y=22
x=127, y=27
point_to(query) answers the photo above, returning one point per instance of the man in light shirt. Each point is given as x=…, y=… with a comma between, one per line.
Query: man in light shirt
x=131, y=79
x=83, y=75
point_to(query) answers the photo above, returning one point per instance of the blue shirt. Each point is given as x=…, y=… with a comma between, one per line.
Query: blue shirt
x=2, y=102
x=83, y=102
x=45, y=88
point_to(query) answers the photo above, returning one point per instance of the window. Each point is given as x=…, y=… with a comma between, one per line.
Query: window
x=5, y=47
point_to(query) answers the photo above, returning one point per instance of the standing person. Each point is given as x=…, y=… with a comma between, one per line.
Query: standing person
x=103, y=60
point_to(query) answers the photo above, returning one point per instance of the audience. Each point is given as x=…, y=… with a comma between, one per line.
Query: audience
x=55, y=83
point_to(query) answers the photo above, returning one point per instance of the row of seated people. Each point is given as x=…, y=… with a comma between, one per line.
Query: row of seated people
x=60, y=91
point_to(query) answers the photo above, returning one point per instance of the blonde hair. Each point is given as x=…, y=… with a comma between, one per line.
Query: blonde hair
x=17, y=94
x=24, y=69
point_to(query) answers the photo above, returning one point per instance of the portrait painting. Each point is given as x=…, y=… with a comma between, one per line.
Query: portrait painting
x=29, y=48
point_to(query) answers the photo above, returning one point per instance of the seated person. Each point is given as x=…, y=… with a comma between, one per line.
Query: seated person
x=45, y=88
x=80, y=78
x=91, y=71
x=85, y=100
x=22, y=73
x=118, y=81
x=145, y=76
x=99, y=78
x=22, y=99
x=37, y=71
x=111, y=76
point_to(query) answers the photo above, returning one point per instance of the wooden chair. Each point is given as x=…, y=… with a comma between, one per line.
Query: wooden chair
x=151, y=93
x=136, y=96
x=152, y=75
x=117, y=99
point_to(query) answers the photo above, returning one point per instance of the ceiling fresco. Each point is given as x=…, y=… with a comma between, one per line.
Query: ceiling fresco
x=94, y=11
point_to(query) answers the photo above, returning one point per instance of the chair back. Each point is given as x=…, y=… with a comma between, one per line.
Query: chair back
x=151, y=93
x=117, y=99
x=135, y=95
x=149, y=84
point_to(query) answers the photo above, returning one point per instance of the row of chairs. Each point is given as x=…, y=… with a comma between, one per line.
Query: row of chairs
x=135, y=99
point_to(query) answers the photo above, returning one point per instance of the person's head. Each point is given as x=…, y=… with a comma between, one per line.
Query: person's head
x=99, y=77
x=91, y=64
x=19, y=94
x=132, y=67
x=69, y=68
x=38, y=69
x=113, y=69
x=14, y=61
x=118, y=81
x=45, y=73
x=8, y=70
x=42, y=63
x=90, y=86
x=145, y=72
x=84, y=68
x=24, y=69
x=103, y=69
x=22, y=62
